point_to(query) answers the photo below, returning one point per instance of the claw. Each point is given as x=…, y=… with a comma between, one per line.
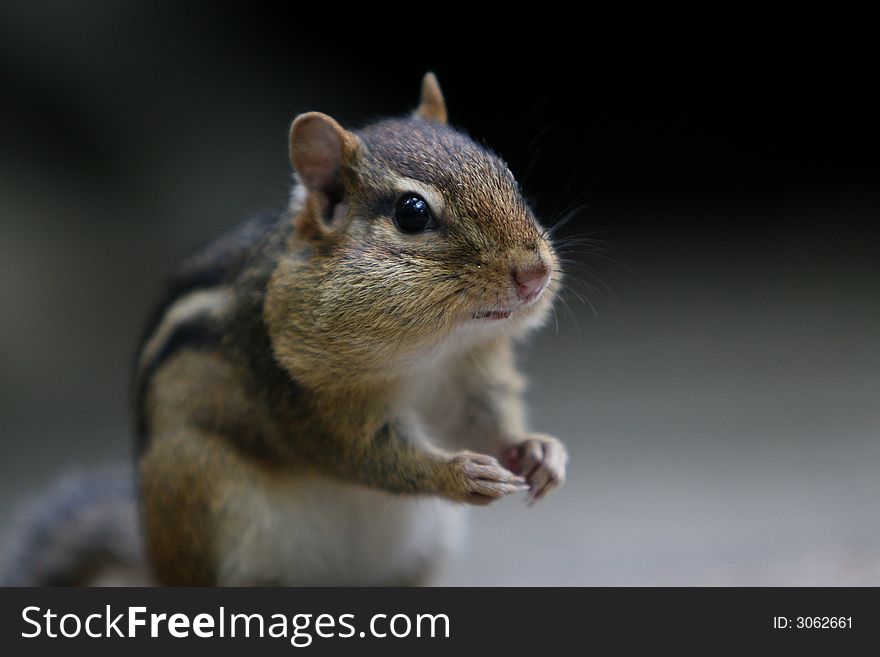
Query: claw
x=485, y=479
x=541, y=460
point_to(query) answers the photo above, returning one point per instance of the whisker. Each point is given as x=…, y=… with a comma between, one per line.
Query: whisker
x=528, y=118
x=588, y=271
x=573, y=315
x=566, y=217
x=532, y=157
x=586, y=240
x=580, y=202
x=561, y=204
x=584, y=281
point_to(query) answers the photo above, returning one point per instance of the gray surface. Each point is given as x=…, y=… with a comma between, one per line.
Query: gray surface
x=723, y=432
x=690, y=468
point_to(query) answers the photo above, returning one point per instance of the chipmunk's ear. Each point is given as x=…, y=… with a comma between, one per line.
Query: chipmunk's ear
x=319, y=149
x=432, y=107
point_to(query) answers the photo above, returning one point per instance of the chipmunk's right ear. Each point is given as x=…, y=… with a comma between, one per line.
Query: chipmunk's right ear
x=320, y=149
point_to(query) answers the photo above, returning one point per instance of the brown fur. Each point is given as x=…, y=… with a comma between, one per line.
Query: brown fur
x=336, y=323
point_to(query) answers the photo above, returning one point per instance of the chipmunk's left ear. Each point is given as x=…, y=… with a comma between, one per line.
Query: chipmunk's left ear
x=432, y=107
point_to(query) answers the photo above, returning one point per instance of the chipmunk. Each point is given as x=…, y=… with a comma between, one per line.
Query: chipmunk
x=323, y=391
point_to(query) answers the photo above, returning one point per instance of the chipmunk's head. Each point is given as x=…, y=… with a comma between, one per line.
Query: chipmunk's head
x=411, y=240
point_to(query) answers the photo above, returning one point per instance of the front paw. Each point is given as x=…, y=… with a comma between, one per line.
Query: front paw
x=541, y=459
x=480, y=479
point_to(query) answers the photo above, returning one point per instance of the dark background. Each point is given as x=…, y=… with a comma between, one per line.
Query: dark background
x=719, y=390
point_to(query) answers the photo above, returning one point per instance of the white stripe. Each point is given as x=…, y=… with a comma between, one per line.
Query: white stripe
x=212, y=304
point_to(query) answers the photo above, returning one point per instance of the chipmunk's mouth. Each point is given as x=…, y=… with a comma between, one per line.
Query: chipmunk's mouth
x=492, y=314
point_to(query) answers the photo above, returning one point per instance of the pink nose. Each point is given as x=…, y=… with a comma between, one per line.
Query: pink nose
x=530, y=281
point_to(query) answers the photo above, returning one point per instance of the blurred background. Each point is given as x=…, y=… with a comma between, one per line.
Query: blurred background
x=719, y=392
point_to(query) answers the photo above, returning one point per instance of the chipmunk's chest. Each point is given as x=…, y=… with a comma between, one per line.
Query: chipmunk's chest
x=438, y=399
x=307, y=529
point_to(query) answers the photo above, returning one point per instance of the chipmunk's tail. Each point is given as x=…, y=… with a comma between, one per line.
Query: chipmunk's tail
x=83, y=531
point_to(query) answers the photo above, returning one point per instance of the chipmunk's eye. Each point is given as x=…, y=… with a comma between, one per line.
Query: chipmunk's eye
x=413, y=215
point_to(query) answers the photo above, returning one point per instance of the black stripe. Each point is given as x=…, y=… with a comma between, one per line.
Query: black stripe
x=195, y=334
x=217, y=263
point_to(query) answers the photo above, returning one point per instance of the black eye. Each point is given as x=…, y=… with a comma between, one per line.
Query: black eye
x=413, y=215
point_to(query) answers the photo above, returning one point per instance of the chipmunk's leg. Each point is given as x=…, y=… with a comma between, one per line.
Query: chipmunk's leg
x=182, y=476
x=205, y=433
x=392, y=454
x=493, y=416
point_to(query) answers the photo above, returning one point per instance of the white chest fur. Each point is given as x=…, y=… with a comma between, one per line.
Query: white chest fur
x=307, y=529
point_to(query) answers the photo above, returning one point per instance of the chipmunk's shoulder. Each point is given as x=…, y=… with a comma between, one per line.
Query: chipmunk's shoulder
x=202, y=297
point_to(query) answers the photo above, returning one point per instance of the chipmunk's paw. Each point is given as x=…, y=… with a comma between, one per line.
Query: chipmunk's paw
x=480, y=479
x=541, y=459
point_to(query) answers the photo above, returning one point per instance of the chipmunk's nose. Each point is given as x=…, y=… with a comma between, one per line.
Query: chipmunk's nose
x=530, y=280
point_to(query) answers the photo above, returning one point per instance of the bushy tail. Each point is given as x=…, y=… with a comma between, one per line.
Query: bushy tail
x=83, y=531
